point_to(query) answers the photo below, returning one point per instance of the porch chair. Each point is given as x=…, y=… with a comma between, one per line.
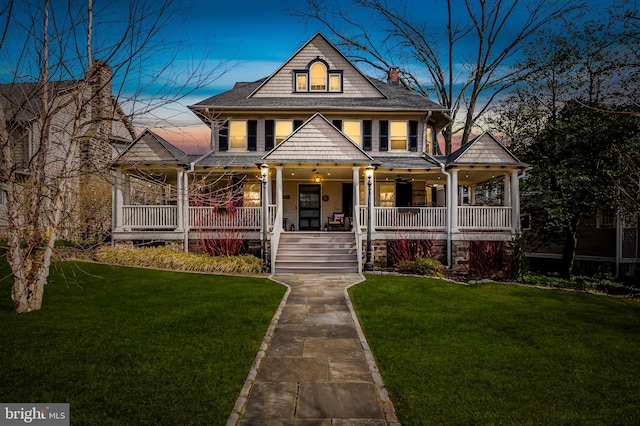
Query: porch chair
x=336, y=222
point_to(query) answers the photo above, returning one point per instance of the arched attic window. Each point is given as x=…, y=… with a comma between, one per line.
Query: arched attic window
x=318, y=77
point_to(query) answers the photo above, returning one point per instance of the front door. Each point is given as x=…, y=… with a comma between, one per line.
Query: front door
x=309, y=207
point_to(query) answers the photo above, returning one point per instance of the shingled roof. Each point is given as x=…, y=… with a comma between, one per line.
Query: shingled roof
x=396, y=98
x=383, y=97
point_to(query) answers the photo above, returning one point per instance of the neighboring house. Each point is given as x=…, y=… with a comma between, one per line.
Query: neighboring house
x=606, y=244
x=330, y=142
x=87, y=105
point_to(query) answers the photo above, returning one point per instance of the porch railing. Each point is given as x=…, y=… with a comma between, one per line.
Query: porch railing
x=155, y=217
x=238, y=218
x=484, y=217
x=384, y=218
x=434, y=218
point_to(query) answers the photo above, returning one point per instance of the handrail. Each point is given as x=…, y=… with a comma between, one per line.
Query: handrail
x=357, y=229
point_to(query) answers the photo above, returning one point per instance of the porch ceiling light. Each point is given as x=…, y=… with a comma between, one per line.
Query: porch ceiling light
x=317, y=179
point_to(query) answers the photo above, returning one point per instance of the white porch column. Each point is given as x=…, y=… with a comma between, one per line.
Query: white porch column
x=126, y=188
x=356, y=194
x=515, y=201
x=507, y=191
x=180, y=201
x=118, y=200
x=186, y=222
x=279, y=206
x=472, y=195
x=453, y=191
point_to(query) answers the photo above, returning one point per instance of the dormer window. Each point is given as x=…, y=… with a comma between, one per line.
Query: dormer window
x=318, y=78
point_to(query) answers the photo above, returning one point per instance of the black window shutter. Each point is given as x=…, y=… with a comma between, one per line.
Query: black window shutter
x=366, y=135
x=252, y=135
x=223, y=136
x=296, y=124
x=413, y=135
x=384, y=135
x=338, y=124
x=269, y=135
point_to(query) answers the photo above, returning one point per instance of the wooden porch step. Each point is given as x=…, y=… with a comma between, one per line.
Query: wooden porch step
x=316, y=252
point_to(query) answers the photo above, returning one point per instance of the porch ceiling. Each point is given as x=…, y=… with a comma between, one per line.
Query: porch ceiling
x=477, y=175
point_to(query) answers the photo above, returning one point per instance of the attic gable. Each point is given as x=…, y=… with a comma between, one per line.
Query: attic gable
x=150, y=148
x=354, y=84
x=485, y=149
x=317, y=141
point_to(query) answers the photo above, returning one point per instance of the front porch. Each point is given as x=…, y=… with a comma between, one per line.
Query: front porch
x=436, y=211
x=341, y=188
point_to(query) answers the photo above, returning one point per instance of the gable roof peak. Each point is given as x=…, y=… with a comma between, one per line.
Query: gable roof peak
x=317, y=140
x=322, y=55
x=485, y=148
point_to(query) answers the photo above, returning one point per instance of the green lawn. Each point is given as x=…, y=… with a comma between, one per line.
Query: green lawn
x=130, y=346
x=498, y=354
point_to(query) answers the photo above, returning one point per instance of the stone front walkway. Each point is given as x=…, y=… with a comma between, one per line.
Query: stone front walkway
x=314, y=367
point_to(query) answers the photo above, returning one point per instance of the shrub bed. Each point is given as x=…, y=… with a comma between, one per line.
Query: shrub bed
x=582, y=283
x=421, y=266
x=165, y=258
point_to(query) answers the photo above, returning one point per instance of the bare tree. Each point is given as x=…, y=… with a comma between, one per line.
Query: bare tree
x=75, y=77
x=463, y=53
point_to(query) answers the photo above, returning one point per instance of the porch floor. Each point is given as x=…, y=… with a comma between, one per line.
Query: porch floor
x=314, y=362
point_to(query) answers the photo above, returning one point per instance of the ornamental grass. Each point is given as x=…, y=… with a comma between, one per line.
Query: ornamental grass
x=166, y=258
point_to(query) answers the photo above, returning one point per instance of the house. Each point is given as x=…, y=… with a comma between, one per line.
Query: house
x=606, y=244
x=83, y=114
x=322, y=168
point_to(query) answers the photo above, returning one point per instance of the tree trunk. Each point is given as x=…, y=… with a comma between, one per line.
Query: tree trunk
x=569, y=251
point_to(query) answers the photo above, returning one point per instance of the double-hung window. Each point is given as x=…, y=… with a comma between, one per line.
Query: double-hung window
x=353, y=129
x=302, y=84
x=237, y=134
x=251, y=195
x=283, y=129
x=387, y=195
x=398, y=135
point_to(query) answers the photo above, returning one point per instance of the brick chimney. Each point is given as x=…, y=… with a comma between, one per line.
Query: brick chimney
x=393, y=77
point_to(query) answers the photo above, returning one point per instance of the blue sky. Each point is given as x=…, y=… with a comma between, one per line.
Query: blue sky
x=258, y=36
x=254, y=36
